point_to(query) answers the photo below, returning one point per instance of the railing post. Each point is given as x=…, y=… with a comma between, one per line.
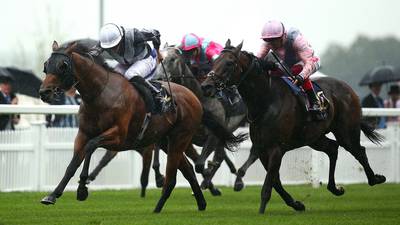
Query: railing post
x=395, y=153
x=38, y=137
x=315, y=168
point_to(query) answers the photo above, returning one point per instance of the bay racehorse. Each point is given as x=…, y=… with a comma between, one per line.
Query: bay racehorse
x=279, y=121
x=231, y=115
x=111, y=116
x=85, y=46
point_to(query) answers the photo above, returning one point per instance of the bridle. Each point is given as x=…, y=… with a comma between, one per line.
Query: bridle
x=221, y=83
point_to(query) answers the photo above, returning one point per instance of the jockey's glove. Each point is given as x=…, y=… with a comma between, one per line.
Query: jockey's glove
x=156, y=40
x=299, y=80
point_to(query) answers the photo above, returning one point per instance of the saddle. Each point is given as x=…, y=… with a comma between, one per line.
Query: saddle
x=302, y=96
x=156, y=101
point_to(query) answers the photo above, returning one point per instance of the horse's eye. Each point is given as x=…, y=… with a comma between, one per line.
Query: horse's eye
x=63, y=66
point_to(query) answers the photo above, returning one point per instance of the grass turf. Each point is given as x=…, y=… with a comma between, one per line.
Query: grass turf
x=361, y=204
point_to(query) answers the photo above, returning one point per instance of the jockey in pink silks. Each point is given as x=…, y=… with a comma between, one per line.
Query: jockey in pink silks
x=295, y=51
x=199, y=53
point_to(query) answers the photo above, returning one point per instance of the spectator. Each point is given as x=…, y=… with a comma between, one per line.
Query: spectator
x=7, y=121
x=374, y=101
x=68, y=98
x=393, y=101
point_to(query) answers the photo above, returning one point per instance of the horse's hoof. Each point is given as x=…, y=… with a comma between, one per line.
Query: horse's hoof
x=204, y=184
x=202, y=206
x=215, y=192
x=239, y=185
x=298, y=206
x=378, y=179
x=143, y=193
x=82, y=193
x=338, y=191
x=49, y=200
x=160, y=181
x=199, y=168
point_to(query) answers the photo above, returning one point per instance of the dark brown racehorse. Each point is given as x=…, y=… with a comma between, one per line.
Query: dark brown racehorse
x=111, y=117
x=279, y=121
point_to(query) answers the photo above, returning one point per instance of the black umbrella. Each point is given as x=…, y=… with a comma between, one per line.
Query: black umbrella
x=23, y=81
x=381, y=74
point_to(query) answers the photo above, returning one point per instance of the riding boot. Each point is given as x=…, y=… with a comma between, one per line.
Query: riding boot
x=315, y=105
x=159, y=100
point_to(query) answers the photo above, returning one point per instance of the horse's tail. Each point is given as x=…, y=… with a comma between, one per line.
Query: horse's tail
x=370, y=132
x=221, y=132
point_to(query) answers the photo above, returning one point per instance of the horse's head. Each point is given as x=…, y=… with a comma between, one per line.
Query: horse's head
x=174, y=64
x=59, y=73
x=226, y=71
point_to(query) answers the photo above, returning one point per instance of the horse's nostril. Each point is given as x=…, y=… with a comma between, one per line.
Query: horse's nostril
x=45, y=93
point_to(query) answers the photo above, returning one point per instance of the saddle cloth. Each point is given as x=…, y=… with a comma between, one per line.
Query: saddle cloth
x=156, y=103
x=299, y=91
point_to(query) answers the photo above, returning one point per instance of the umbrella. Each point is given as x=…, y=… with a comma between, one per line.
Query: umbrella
x=381, y=74
x=23, y=81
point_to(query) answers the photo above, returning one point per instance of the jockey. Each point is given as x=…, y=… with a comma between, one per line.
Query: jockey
x=130, y=49
x=291, y=46
x=199, y=53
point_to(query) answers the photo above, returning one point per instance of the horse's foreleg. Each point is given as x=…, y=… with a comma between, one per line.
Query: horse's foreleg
x=208, y=148
x=76, y=161
x=108, y=156
x=272, y=158
x=107, y=138
x=253, y=156
x=330, y=147
x=147, y=154
x=230, y=164
x=296, y=205
x=156, y=166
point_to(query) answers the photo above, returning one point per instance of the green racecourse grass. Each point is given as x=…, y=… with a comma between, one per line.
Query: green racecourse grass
x=360, y=204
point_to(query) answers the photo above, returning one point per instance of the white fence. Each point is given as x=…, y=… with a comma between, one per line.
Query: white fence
x=35, y=159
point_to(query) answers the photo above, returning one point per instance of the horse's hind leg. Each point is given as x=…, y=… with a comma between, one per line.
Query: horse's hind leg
x=238, y=186
x=156, y=166
x=330, y=147
x=146, y=153
x=108, y=156
x=187, y=170
x=350, y=140
x=174, y=160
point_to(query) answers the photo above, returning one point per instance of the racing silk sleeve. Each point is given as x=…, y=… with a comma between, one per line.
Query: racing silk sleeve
x=213, y=50
x=263, y=51
x=146, y=35
x=306, y=55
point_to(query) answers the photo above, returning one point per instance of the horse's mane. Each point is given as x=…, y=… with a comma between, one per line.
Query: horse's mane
x=83, y=48
x=250, y=55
